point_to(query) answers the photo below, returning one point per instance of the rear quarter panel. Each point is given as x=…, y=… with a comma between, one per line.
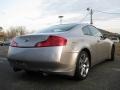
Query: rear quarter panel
x=77, y=42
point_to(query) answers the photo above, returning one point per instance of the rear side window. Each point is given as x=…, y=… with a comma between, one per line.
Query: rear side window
x=86, y=31
x=95, y=32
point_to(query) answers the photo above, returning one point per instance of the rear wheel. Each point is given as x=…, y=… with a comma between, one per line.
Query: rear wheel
x=82, y=66
x=112, y=54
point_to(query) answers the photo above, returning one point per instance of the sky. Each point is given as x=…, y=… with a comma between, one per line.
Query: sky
x=37, y=14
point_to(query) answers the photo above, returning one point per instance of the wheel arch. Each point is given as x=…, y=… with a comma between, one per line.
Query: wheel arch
x=88, y=51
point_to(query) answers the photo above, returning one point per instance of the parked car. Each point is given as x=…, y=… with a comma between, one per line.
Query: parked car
x=1, y=43
x=6, y=43
x=69, y=49
x=115, y=39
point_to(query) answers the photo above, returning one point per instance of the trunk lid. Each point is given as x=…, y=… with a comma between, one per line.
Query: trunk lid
x=30, y=40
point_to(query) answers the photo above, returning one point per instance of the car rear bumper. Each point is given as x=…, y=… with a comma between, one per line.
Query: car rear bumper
x=43, y=59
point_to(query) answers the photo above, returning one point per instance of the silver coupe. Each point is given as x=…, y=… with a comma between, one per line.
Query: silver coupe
x=68, y=49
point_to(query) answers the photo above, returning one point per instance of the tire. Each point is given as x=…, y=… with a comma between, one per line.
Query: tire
x=82, y=66
x=112, y=54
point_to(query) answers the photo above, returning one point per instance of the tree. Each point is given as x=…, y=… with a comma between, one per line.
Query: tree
x=15, y=31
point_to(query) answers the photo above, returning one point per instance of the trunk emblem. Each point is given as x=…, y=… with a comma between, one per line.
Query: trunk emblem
x=26, y=40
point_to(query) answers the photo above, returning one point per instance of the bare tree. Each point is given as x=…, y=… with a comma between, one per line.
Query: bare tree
x=20, y=30
x=15, y=31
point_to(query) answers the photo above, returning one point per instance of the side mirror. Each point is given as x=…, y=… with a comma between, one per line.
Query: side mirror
x=103, y=37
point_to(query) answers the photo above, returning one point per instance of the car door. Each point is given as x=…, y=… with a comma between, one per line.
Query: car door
x=92, y=42
x=102, y=46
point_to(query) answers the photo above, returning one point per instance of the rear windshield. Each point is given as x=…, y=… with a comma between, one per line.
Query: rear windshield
x=58, y=28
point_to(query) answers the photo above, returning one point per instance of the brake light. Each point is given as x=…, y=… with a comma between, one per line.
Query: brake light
x=13, y=43
x=52, y=41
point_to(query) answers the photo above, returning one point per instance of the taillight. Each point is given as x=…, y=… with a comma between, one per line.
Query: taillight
x=52, y=41
x=13, y=43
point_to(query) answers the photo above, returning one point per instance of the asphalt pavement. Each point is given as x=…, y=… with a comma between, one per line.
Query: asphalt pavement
x=104, y=76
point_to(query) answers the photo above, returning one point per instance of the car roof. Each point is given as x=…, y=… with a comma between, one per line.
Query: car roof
x=78, y=24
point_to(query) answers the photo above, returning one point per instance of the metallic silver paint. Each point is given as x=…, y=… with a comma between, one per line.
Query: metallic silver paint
x=58, y=59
